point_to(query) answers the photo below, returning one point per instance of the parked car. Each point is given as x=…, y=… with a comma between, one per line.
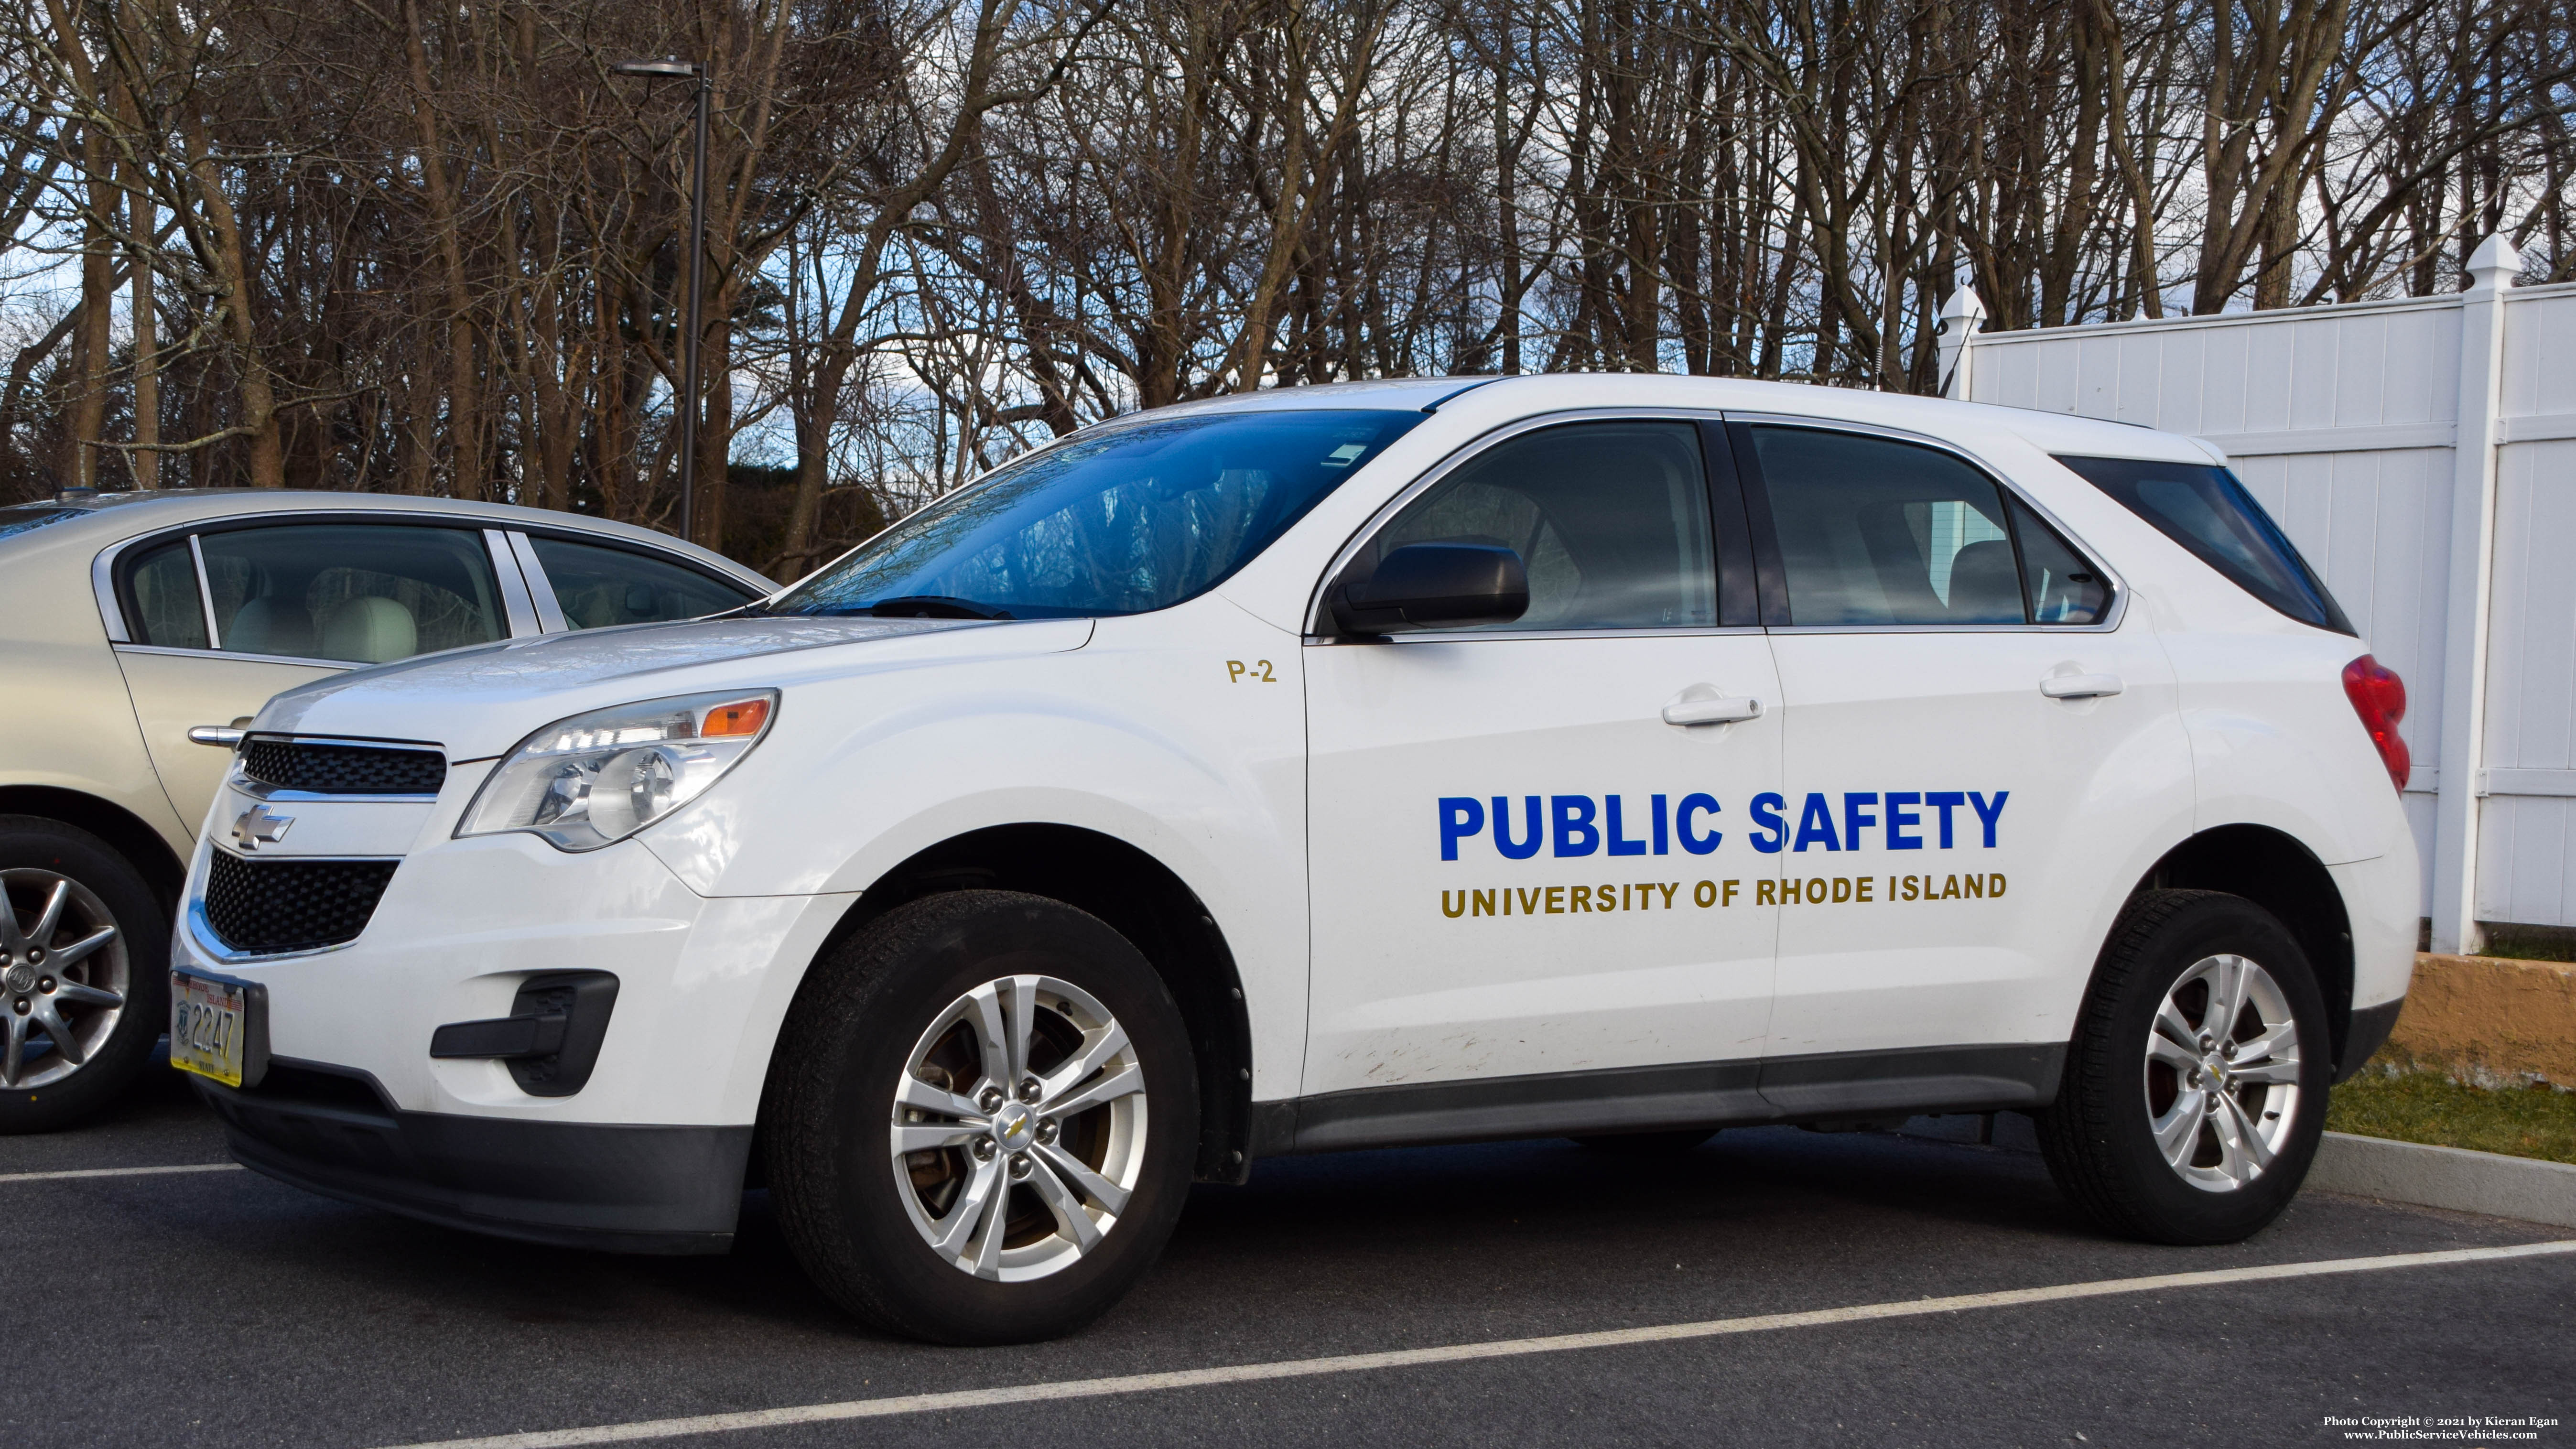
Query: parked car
x=138, y=634
x=1621, y=758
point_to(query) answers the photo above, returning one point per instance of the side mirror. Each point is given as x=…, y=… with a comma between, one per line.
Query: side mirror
x=1433, y=585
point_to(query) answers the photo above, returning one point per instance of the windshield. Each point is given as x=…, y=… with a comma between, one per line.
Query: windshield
x=1128, y=519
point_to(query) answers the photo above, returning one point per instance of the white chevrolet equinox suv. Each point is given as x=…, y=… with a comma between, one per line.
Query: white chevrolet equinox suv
x=1619, y=758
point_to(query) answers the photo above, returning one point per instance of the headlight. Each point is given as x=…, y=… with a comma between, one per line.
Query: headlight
x=597, y=778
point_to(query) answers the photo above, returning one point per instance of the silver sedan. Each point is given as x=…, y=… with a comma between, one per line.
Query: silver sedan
x=139, y=632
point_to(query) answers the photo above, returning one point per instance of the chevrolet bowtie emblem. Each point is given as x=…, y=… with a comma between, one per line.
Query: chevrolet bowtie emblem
x=257, y=824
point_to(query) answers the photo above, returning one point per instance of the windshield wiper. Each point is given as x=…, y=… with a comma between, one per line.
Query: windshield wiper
x=934, y=606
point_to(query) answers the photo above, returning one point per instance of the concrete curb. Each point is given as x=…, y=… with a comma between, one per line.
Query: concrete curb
x=2446, y=1177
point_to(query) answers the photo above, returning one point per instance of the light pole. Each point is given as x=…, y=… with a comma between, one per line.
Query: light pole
x=670, y=68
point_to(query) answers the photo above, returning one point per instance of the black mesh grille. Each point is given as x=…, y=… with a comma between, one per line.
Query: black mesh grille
x=291, y=905
x=343, y=769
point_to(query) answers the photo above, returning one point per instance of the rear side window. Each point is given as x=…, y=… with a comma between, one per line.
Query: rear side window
x=1873, y=531
x=2204, y=508
x=359, y=592
x=602, y=586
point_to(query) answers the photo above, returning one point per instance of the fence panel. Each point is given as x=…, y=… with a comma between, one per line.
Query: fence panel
x=2346, y=422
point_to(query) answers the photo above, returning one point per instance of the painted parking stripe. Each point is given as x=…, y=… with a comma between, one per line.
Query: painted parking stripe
x=119, y=1172
x=1465, y=1352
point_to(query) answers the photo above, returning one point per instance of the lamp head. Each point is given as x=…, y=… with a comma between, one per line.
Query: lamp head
x=669, y=67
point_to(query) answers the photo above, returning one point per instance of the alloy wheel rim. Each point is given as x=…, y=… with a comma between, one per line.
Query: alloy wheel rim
x=64, y=976
x=2222, y=1073
x=1018, y=1130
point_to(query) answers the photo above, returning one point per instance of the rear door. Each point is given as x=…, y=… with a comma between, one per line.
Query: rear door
x=1977, y=732
x=1520, y=869
x=223, y=618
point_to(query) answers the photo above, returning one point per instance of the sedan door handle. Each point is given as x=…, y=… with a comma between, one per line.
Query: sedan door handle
x=1711, y=711
x=215, y=735
x=2080, y=686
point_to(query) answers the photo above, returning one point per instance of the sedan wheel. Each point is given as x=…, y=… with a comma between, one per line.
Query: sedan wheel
x=64, y=975
x=84, y=973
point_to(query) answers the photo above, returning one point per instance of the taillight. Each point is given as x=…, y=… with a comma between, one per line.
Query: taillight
x=2379, y=697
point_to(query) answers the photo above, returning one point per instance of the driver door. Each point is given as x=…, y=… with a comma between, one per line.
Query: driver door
x=1522, y=874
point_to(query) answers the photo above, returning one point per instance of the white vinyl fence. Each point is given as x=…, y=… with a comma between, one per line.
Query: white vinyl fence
x=2423, y=455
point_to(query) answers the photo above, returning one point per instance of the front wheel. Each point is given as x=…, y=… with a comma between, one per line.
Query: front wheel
x=982, y=1119
x=2195, y=1090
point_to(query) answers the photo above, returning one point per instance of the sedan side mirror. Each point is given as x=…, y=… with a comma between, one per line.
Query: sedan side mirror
x=1433, y=585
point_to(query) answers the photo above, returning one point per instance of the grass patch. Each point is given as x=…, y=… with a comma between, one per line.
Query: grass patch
x=2531, y=943
x=2429, y=1107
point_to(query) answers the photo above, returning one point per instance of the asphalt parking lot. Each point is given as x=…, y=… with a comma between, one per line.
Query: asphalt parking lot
x=219, y=1308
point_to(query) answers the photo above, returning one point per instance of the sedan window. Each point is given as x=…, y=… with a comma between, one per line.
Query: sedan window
x=167, y=610
x=358, y=592
x=599, y=586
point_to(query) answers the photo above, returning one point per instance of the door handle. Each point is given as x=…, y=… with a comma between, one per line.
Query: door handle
x=215, y=735
x=2080, y=686
x=1711, y=711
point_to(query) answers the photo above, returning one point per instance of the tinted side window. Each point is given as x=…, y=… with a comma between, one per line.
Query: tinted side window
x=2063, y=588
x=166, y=608
x=2204, y=508
x=366, y=593
x=1610, y=519
x=601, y=586
x=1875, y=531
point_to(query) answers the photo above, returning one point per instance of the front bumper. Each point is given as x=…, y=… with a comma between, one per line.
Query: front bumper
x=573, y=1184
x=647, y=1155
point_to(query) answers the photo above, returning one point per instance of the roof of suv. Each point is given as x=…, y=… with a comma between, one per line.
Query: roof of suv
x=2050, y=432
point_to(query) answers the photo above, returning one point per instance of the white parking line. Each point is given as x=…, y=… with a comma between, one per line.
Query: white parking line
x=119, y=1171
x=1464, y=1352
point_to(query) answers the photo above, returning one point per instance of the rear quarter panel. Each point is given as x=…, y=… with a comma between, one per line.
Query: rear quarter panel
x=70, y=723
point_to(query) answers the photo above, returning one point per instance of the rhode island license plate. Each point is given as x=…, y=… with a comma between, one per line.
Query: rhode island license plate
x=216, y=1027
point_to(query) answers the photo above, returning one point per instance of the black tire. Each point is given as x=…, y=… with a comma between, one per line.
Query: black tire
x=1647, y=1144
x=848, y=1043
x=2097, y=1134
x=31, y=850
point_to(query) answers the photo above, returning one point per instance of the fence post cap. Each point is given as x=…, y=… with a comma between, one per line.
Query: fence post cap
x=1963, y=307
x=2494, y=264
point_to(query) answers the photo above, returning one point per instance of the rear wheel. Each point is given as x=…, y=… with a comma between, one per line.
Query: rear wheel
x=2195, y=1092
x=982, y=1119
x=84, y=952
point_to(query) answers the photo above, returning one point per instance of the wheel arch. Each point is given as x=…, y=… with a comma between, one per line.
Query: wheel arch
x=2274, y=870
x=129, y=834
x=1142, y=899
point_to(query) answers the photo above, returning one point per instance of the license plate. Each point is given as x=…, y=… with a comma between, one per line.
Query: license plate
x=219, y=1028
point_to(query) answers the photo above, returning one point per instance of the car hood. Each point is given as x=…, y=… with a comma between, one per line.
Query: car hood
x=479, y=701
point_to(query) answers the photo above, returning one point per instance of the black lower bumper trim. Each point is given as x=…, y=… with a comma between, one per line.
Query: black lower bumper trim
x=633, y=1189
x=2365, y=1033
x=1840, y=1087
